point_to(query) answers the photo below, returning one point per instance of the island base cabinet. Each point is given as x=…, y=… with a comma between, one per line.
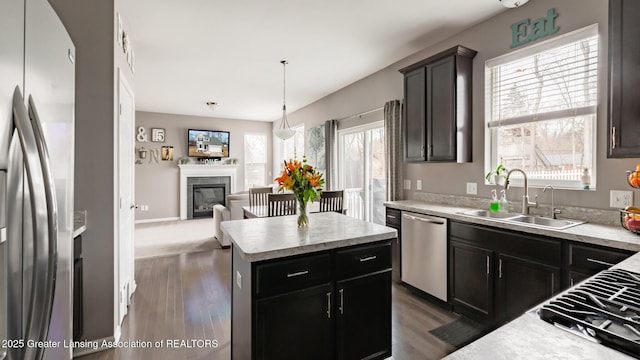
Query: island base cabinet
x=363, y=317
x=295, y=325
x=333, y=304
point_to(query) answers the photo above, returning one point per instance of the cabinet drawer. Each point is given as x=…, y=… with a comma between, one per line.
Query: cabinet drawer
x=594, y=259
x=393, y=218
x=283, y=276
x=363, y=260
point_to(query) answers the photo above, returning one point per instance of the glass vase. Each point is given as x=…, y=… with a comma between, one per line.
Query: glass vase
x=303, y=214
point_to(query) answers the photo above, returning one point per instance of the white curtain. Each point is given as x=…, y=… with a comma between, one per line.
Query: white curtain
x=393, y=148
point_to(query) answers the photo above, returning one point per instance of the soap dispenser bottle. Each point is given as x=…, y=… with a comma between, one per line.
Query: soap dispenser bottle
x=504, y=203
x=494, y=205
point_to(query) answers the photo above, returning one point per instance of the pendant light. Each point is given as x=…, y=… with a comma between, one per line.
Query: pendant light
x=284, y=132
x=513, y=3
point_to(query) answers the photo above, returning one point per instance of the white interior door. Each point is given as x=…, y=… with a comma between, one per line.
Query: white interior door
x=126, y=150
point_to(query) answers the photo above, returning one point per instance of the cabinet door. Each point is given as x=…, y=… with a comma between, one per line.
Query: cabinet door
x=393, y=220
x=523, y=284
x=295, y=325
x=414, y=102
x=363, y=313
x=624, y=56
x=441, y=116
x=471, y=281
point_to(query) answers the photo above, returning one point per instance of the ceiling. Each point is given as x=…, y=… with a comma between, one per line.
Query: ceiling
x=193, y=51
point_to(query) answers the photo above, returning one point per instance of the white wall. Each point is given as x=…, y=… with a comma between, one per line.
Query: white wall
x=490, y=38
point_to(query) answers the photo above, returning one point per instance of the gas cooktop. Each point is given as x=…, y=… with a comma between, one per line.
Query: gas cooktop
x=604, y=309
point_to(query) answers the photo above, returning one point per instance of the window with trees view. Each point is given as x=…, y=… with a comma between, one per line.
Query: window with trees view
x=541, y=109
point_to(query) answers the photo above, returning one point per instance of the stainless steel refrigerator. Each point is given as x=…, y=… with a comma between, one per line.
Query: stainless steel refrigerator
x=37, y=81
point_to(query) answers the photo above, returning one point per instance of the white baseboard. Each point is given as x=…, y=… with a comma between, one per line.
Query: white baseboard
x=146, y=221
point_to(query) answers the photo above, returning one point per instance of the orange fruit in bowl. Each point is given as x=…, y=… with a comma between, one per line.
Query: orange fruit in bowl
x=638, y=167
x=634, y=179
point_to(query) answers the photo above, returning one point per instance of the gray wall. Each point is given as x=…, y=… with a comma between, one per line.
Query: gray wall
x=157, y=183
x=91, y=26
x=490, y=38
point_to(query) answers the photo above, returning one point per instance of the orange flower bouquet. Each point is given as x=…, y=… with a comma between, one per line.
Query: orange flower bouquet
x=305, y=182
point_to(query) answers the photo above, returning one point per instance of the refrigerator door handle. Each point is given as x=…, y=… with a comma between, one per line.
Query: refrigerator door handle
x=52, y=208
x=37, y=325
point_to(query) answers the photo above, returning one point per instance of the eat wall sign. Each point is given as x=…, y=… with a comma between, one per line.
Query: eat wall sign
x=527, y=30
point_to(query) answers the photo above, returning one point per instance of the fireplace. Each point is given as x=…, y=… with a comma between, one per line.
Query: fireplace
x=205, y=197
x=211, y=175
x=203, y=193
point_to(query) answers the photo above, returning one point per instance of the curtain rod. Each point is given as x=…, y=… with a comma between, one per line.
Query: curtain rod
x=362, y=113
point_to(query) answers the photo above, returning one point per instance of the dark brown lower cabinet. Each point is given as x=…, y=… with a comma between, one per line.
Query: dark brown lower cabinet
x=295, y=325
x=363, y=321
x=472, y=281
x=523, y=284
x=497, y=275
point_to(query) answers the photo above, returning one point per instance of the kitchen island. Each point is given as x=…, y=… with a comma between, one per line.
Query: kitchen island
x=322, y=292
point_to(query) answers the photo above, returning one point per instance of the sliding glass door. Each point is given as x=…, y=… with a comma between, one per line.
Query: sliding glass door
x=362, y=171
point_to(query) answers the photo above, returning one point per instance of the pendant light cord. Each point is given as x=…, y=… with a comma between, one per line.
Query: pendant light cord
x=285, y=123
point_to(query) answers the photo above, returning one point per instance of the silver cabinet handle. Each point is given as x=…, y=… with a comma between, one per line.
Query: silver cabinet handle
x=423, y=219
x=299, y=273
x=341, y=301
x=500, y=269
x=487, y=264
x=613, y=137
x=329, y=305
x=596, y=261
x=368, y=258
x=391, y=216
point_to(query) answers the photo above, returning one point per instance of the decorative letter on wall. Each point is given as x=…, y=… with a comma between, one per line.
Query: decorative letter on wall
x=526, y=31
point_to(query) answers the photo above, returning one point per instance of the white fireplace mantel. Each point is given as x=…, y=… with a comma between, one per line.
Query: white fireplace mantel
x=202, y=170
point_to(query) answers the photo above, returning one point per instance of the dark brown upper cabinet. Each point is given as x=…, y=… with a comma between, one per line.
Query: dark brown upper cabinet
x=624, y=79
x=437, y=107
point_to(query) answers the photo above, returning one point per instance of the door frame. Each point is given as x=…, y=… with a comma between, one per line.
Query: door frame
x=124, y=284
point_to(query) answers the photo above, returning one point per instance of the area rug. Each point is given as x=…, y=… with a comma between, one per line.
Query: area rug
x=459, y=332
x=174, y=237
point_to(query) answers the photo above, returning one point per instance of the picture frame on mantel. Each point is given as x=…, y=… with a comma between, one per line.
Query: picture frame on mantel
x=157, y=134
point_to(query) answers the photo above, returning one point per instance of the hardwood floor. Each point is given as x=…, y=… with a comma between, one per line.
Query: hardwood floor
x=188, y=297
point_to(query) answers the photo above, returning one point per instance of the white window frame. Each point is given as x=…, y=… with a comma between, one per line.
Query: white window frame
x=491, y=160
x=264, y=162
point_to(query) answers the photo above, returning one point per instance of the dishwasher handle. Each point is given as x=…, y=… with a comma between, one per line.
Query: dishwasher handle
x=430, y=221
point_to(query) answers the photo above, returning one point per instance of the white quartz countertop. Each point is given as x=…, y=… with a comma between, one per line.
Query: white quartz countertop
x=274, y=237
x=611, y=236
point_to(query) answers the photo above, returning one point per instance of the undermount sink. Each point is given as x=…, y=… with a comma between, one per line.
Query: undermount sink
x=546, y=222
x=529, y=220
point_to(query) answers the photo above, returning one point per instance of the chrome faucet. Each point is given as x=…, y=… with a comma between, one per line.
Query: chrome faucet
x=526, y=204
x=554, y=210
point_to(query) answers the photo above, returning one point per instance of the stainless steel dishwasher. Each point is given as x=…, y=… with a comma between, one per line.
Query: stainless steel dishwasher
x=424, y=253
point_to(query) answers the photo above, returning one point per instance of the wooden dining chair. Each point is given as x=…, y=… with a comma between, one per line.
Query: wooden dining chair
x=281, y=204
x=332, y=201
x=258, y=195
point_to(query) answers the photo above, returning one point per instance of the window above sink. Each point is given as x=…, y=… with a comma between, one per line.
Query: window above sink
x=541, y=110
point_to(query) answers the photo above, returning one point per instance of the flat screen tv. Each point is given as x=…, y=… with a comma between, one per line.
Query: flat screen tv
x=208, y=143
